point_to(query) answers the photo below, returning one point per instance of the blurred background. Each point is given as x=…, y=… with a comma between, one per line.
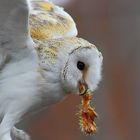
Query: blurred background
x=114, y=27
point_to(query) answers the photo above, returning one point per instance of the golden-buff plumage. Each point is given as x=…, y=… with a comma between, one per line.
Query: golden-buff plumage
x=48, y=21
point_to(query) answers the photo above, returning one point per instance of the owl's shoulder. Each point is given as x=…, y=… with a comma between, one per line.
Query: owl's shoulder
x=48, y=21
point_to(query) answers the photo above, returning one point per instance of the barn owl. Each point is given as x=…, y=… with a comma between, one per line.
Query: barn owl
x=41, y=61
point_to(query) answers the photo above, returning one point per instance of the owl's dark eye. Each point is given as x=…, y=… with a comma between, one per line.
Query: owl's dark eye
x=80, y=65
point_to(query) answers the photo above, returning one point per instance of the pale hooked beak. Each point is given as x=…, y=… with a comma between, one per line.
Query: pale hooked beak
x=83, y=87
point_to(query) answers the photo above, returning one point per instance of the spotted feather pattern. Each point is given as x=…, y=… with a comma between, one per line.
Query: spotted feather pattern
x=48, y=21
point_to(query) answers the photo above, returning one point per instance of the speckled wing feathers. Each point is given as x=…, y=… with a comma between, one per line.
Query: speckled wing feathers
x=48, y=21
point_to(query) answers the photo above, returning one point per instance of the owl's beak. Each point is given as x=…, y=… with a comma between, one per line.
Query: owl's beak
x=83, y=87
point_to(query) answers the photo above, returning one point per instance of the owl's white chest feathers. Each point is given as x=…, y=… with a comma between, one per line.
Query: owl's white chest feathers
x=23, y=88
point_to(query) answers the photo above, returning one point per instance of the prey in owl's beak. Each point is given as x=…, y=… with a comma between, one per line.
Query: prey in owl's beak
x=87, y=114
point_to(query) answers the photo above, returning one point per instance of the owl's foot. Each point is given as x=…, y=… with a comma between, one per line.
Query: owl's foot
x=19, y=134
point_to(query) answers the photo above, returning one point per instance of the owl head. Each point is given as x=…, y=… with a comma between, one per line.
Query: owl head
x=71, y=61
x=83, y=65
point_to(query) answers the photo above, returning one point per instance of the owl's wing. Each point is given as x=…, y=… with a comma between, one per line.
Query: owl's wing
x=48, y=21
x=14, y=32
